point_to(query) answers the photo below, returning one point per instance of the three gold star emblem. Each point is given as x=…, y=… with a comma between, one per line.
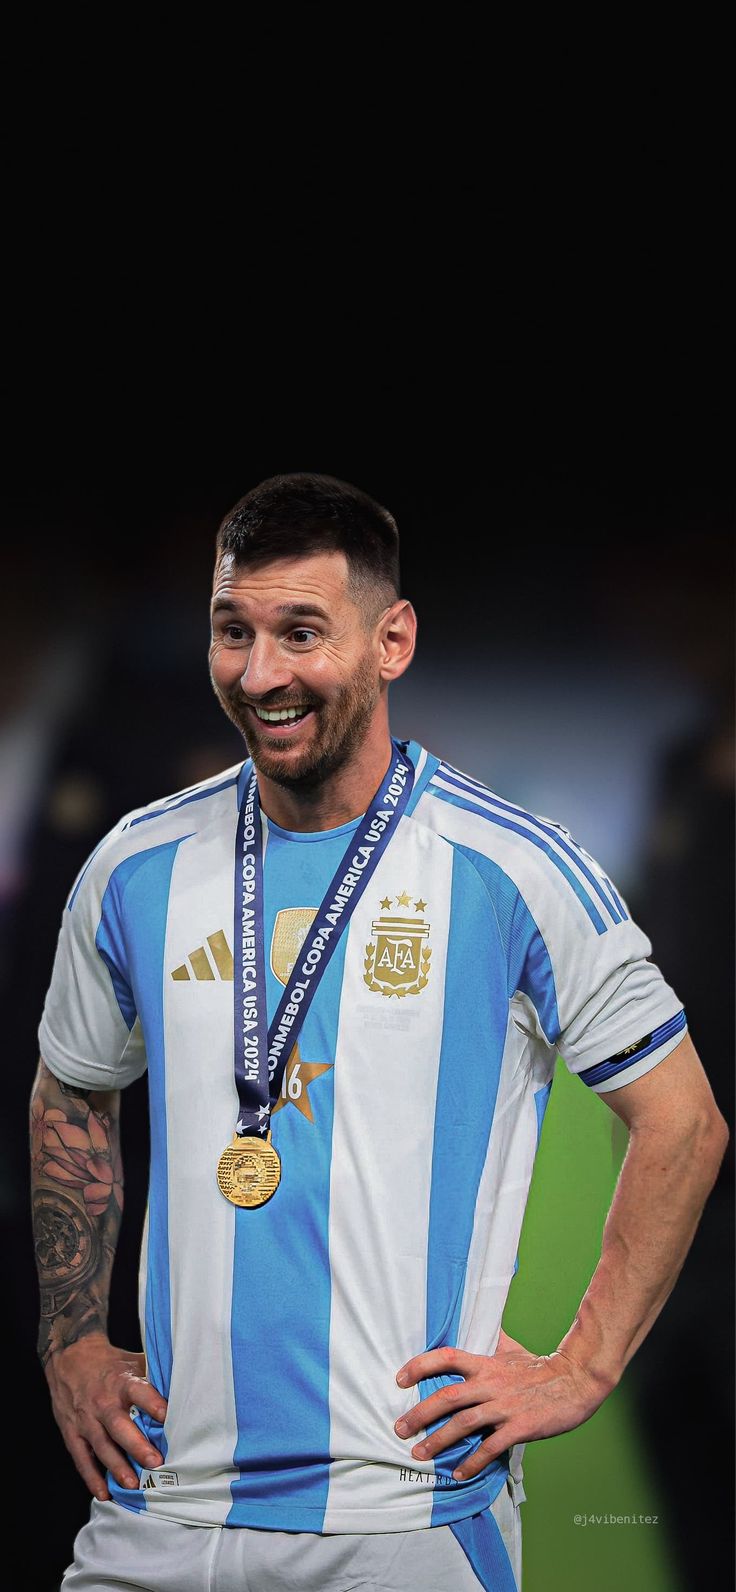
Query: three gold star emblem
x=402, y=900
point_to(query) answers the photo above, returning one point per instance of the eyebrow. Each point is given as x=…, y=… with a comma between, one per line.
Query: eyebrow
x=284, y=610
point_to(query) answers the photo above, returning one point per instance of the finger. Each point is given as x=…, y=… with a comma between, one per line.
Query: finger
x=462, y=1426
x=137, y=1390
x=130, y=1438
x=436, y=1362
x=457, y=1395
x=491, y=1448
x=84, y=1459
x=110, y=1456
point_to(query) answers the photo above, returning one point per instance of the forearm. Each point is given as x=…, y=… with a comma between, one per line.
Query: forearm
x=663, y=1186
x=77, y=1202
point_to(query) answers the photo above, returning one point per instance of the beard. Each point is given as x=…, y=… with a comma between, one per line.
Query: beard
x=338, y=729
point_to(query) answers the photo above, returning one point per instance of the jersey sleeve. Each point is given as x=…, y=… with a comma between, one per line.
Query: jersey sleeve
x=587, y=971
x=90, y=1034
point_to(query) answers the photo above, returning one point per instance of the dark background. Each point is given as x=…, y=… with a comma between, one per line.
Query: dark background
x=541, y=400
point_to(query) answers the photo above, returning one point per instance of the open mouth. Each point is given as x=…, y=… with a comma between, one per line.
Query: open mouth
x=281, y=721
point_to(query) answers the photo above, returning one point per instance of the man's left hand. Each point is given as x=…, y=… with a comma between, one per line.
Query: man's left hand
x=521, y=1395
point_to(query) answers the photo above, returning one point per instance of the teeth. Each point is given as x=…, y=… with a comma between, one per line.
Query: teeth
x=280, y=714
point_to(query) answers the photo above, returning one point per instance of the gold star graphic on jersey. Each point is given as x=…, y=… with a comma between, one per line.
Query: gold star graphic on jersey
x=403, y=900
x=297, y=1077
x=385, y=904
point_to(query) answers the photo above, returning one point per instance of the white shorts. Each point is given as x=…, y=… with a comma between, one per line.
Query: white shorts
x=126, y=1550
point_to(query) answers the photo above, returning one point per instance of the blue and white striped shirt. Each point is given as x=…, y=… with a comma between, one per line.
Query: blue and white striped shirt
x=487, y=942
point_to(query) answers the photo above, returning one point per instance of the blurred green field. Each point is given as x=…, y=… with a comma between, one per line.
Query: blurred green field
x=600, y=1467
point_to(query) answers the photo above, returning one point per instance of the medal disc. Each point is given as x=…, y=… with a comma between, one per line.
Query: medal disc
x=249, y=1171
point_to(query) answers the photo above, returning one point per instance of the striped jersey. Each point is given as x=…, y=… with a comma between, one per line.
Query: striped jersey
x=487, y=941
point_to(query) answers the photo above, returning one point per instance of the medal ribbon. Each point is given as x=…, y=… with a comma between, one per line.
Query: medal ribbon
x=261, y=1052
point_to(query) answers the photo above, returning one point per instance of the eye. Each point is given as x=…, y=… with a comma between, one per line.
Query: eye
x=303, y=636
x=227, y=629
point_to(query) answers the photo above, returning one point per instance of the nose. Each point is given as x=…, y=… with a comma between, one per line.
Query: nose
x=266, y=670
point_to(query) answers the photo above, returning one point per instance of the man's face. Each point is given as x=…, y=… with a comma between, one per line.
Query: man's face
x=288, y=637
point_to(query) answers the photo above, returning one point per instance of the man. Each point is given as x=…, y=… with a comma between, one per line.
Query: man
x=348, y=969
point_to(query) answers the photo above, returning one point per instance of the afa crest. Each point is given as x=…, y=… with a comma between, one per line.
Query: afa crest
x=398, y=956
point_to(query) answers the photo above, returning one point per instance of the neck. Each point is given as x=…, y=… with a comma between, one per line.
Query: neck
x=344, y=795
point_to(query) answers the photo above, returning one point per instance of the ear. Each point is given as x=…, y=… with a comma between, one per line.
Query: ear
x=397, y=634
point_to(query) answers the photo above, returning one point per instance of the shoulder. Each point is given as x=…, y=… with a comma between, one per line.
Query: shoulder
x=165, y=819
x=192, y=797
x=513, y=847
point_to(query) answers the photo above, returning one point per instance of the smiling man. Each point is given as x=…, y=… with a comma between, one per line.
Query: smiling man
x=348, y=968
x=305, y=681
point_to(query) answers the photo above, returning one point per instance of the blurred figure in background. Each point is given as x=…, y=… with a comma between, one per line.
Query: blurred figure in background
x=683, y=1378
x=683, y=896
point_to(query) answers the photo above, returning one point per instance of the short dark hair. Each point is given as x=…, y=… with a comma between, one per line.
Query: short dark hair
x=300, y=513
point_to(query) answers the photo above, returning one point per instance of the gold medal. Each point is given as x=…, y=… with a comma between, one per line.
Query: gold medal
x=249, y=1170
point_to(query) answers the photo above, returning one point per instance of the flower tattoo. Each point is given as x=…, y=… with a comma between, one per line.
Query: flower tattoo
x=77, y=1156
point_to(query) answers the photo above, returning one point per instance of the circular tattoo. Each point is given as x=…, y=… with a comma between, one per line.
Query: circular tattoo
x=66, y=1245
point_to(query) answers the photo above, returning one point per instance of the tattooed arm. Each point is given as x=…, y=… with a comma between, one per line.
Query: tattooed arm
x=77, y=1184
x=77, y=1192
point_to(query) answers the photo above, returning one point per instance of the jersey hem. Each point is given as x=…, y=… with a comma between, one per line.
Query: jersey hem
x=343, y=1522
x=84, y=1075
x=648, y=1018
x=618, y=1080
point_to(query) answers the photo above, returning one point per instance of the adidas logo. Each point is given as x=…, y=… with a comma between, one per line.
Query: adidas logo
x=165, y=1478
x=149, y=1483
x=217, y=965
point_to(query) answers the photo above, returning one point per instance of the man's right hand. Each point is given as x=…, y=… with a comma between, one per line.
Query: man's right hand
x=93, y=1386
